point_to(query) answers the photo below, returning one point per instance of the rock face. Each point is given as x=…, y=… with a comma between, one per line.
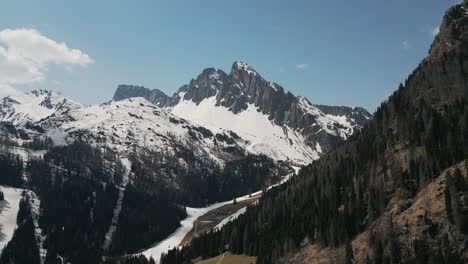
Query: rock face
x=154, y=96
x=244, y=87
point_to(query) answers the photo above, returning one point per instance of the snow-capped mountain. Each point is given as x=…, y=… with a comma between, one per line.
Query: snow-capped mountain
x=222, y=116
x=272, y=121
x=33, y=106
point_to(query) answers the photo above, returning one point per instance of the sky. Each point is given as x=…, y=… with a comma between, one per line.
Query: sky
x=333, y=52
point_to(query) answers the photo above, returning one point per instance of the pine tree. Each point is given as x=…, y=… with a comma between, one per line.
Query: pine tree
x=349, y=255
x=448, y=196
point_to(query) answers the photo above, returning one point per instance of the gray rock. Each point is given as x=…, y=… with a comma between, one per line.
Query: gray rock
x=155, y=96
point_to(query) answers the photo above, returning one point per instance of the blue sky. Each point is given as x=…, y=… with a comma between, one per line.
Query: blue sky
x=333, y=52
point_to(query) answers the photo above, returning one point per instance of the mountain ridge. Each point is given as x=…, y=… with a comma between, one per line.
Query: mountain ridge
x=244, y=87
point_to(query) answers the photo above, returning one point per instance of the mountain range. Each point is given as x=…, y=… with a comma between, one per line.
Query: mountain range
x=222, y=114
x=232, y=165
x=115, y=166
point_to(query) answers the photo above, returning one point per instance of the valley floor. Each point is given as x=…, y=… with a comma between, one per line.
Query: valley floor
x=196, y=215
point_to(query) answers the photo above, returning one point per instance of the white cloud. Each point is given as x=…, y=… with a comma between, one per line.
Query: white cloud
x=435, y=31
x=25, y=55
x=301, y=66
x=406, y=45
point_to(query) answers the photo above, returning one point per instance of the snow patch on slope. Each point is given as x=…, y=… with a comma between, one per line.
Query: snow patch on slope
x=8, y=212
x=262, y=135
x=245, y=67
x=328, y=122
x=35, y=213
x=230, y=218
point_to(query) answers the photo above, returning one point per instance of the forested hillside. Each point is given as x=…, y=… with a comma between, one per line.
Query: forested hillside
x=421, y=130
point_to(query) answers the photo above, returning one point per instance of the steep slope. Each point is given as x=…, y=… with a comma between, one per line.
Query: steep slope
x=277, y=123
x=422, y=219
x=418, y=133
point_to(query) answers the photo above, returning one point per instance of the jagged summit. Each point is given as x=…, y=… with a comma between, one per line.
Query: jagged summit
x=243, y=66
x=452, y=31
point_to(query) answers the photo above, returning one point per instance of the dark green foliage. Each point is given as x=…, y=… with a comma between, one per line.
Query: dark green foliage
x=349, y=255
x=2, y=196
x=201, y=181
x=421, y=251
x=22, y=248
x=456, y=199
x=39, y=144
x=144, y=220
x=11, y=170
x=77, y=201
x=84, y=161
x=140, y=259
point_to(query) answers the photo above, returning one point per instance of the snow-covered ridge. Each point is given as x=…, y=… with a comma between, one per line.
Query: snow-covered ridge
x=128, y=124
x=33, y=106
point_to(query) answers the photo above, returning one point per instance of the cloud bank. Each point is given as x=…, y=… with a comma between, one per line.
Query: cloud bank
x=25, y=55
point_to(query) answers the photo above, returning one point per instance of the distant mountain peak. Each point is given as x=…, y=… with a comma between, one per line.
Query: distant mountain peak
x=33, y=106
x=155, y=96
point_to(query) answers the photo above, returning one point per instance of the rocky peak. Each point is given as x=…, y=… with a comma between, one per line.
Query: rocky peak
x=452, y=32
x=207, y=84
x=446, y=64
x=154, y=96
x=242, y=67
x=38, y=93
